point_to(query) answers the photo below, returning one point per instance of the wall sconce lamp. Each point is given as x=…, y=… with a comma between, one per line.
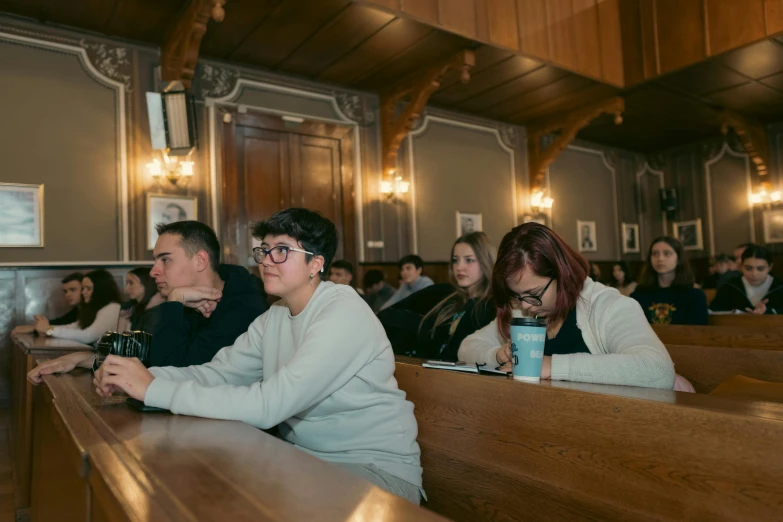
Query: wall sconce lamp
x=177, y=172
x=539, y=202
x=394, y=187
x=765, y=195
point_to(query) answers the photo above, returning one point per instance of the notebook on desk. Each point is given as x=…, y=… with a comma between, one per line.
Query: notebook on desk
x=462, y=367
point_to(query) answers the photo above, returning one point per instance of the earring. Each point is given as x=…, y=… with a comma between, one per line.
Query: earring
x=311, y=279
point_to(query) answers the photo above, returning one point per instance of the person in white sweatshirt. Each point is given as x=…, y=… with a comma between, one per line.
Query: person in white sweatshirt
x=317, y=364
x=594, y=334
x=98, y=314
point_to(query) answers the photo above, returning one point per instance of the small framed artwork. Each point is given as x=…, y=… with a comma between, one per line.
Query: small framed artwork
x=21, y=215
x=167, y=208
x=588, y=242
x=689, y=234
x=773, y=226
x=468, y=222
x=630, y=238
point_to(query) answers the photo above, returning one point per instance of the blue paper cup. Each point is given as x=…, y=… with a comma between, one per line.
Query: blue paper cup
x=528, y=336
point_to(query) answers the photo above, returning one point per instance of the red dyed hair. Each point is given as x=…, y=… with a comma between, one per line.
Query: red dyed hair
x=539, y=248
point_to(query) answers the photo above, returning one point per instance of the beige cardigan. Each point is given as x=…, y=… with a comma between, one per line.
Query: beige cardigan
x=623, y=347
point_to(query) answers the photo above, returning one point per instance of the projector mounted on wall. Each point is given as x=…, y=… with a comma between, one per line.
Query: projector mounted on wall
x=172, y=118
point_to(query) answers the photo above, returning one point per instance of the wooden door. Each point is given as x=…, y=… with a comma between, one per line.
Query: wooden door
x=269, y=167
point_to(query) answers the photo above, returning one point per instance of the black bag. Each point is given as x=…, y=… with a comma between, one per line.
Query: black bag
x=125, y=344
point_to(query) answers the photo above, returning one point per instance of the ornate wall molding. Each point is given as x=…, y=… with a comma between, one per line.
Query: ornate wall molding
x=216, y=81
x=509, y=136
x=354, y=107
x=112, y=61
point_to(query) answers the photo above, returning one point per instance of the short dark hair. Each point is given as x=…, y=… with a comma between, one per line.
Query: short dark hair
x=373, y=277
x=723, y=258
x=757, y=252
x=310, y=228
x=195, y=236
x=413, y=259
x=76, y=276
x=344, y=264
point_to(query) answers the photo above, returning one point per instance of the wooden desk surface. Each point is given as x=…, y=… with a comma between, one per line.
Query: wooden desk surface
x=30, y=343
x=169, y=467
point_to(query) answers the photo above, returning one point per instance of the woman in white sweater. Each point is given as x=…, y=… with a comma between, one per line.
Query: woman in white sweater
x=317, y=364
x=594, y=334
x=98, y=313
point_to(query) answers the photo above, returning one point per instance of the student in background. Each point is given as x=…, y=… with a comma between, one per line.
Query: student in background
x=98, y=313
x=208, y=304
x=412, y=280
x=72, y=291
x=735, y=268
x=594, y=334
x=376, y=291
x=341, y=273
x=595, y=272
x=317, y=364
x=622, y=278
x=137, y=314
x=719, y=266
x=665, y=291
x=756, y=290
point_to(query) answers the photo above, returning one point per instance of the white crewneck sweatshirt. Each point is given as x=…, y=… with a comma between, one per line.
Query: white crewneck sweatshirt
x=106, y=320
x=326, y=376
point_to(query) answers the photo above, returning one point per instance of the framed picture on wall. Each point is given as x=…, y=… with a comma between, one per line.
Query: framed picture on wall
x=21, y=215
x=630, y=238
x=773, y=226
x=588, y=242
x=689, y=234
x=468, y=222
x=167, y=208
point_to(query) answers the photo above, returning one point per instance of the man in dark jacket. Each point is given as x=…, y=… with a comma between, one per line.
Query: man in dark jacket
x=208, y=305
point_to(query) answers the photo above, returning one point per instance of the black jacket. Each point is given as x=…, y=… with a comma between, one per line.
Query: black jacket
x=184, y=337
x=732, y=296
x=71, y=317
x=409, y=336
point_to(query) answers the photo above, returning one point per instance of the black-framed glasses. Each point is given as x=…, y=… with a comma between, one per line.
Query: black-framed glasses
x=534, y=300
x=278, y=254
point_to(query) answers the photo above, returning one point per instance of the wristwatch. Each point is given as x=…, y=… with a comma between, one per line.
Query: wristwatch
x=50, y=331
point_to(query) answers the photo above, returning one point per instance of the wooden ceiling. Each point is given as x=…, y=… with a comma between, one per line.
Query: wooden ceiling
x=362, y=47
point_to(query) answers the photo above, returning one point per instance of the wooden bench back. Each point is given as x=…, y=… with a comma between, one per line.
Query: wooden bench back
x=726, y=336
x=747, y=320
x=495, y=449
x=707, y=366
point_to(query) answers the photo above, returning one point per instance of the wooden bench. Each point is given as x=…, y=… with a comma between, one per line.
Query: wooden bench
x=747, y=320
x=726, y=336
x=25, y=349
x=495, y=449
x=96, y=459
x=707, y=366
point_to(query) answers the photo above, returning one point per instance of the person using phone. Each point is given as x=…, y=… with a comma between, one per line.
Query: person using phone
x=756, y=291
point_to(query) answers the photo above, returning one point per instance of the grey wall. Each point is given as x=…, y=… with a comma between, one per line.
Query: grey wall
x=60, y=130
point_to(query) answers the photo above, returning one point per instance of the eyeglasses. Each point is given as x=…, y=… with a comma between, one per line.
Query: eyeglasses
x=530, y=299
x=278, y=254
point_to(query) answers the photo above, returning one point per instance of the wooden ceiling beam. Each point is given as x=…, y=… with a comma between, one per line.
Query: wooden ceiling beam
x=417, y=89
x=179, y=53
x=568, y=125
x=753, y=136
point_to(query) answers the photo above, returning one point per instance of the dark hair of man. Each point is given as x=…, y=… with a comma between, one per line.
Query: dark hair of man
x=76, y=276
x=194, y=236
x=342, y=263
x=373, y=277
x=105, y=291
x=683, y=277
x=757, y=252
x=308, y=227
x=412, y=259
x=723, y=258
x=150, y=289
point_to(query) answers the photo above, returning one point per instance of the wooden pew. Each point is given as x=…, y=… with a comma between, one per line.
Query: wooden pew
x=96, y=459
x=25, y=349
x=495, y=449
x=707, y=366
x=726, y=336
x=747, y=320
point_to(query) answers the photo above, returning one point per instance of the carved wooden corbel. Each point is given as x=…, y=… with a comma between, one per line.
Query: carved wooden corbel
x=568, y=125
x=418, y=89
x=179, y=53
x=753, y=136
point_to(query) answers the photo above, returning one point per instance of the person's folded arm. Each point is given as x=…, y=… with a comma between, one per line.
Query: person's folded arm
x=481, y=347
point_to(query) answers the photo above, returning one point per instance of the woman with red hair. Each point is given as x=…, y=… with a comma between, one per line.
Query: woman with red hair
x=594, y=334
